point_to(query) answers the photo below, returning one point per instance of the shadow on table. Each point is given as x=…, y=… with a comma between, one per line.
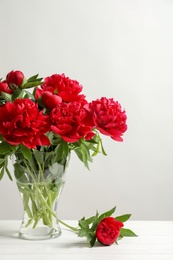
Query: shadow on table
x=8, y=234
x=81, y=245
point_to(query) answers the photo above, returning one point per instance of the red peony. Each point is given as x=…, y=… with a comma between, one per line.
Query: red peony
x=4, y=87
x=108, y=117
x=71, y=121
x=22, y=123
x=15, y=77
x=68, y=89
x=108, y=230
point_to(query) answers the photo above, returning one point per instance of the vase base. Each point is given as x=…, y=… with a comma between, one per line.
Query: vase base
x=40, y=233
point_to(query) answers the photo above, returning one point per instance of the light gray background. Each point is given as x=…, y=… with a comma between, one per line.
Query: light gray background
x=115, y=48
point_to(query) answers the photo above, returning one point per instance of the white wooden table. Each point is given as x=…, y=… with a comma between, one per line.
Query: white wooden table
x=154, y=242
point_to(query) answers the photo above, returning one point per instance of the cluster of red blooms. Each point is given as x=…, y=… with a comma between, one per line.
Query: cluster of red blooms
x=58, y=106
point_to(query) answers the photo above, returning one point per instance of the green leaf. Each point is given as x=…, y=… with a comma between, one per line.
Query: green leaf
x=2, y=160
x=123, y=218
x=65, y=149
x=83, y=224
x=2, y=173
x=92, y=241
x=95, y=222
x=8, y=173
x=103, y=150
x=97, y=149
x=4, y=167
x=119, y=238
x=14, y=147
x=90, y=220
x=5, y=148
x=33, y=78
x=59, y=152
x=29, y=95
x=127, y=233
x=18, y=93
x=38, y=156
x=31, y=84
x=78, y=153
x=107, y=213
x=82, y=233
x=86, y=149
x=6, y=96
x=91, y=238
x=19, y=171
x=86, y=231
x=26, y=152
x=50, y=135
x=84, y=156
x=82, y=152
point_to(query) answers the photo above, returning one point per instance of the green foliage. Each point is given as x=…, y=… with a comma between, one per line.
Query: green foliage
x=19, y=171
x=18, y=93
x=106, y=214
x=58, y=151
x=26, y=152
x=32, y=82
x=85, y=150
x=5, y=96
x=5, y=148
x=127, y=233
x=123, y=218
x=5, y=151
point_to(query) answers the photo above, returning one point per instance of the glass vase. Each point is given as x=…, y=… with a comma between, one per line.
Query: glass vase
x=40, y=180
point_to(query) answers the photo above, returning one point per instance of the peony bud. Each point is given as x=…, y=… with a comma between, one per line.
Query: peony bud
x=50, y=100
x=5, y=88
x=15, y=78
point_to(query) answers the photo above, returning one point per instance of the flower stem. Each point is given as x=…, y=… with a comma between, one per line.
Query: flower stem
x=68, y=226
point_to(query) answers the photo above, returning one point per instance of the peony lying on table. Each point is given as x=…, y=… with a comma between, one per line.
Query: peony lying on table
x=103, y=228
x=41, y=128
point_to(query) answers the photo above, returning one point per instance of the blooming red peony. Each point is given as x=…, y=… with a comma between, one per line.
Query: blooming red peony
x=108, y=230
x=15, y=77
x=108, y=117
x=68, y=89
x=72, y=122
x=22, y=123
x=4, y=87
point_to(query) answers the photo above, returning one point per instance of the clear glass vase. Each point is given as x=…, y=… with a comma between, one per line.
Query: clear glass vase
x=40, y=180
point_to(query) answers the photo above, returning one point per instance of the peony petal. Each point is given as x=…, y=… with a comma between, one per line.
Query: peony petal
x=69, y=139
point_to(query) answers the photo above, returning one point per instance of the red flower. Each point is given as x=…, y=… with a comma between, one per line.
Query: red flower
x=108, y=230
x=68, y=89
x=50, y=100
x=22, y=123
x=4, y=87
x=71, y=121
x=15, y=77
x=108, y=117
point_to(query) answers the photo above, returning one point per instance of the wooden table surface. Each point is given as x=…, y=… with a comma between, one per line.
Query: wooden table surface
x=154, y=242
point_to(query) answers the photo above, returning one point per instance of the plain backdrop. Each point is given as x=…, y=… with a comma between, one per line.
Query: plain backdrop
x=114, y=48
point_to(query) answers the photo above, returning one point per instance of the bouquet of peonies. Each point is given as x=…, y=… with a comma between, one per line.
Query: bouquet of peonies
x=41, y=128
x=54, y=117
